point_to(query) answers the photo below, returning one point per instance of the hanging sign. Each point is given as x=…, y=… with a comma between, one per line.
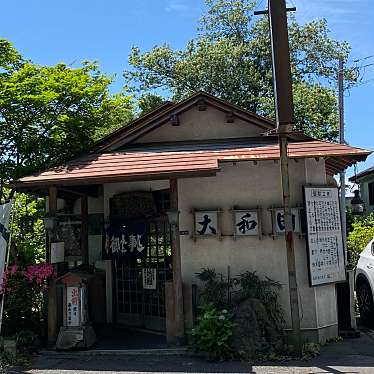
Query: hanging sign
x=72, y=306
x=57, y=252
x=149, y=278
x=126, y=241
x=325, y=240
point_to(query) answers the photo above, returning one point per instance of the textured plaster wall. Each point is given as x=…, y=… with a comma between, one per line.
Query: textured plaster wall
x=249, y=185
x=191, y=128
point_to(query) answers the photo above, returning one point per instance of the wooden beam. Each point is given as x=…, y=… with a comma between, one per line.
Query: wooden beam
x=177, y=268
x=84, y=229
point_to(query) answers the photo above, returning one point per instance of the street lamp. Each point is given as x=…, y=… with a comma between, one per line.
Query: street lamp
x=358, y=205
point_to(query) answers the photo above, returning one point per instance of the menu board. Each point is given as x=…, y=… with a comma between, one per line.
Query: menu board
x=324, y=233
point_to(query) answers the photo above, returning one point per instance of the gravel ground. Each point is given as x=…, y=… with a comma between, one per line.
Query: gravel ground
x=352, y=356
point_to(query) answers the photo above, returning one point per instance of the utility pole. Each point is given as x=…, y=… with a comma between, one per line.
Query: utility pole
x=342, y=141
x=285, y=120
x=349, y=272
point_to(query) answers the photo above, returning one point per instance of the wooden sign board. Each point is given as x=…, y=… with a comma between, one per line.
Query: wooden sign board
x=324, y=235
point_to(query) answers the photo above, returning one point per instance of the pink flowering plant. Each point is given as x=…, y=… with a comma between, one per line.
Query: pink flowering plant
x=23, y=289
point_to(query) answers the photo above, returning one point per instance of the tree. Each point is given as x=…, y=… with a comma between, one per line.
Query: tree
x=49, y=114
x=149, y=102
x=361, y=233
x=231, y=58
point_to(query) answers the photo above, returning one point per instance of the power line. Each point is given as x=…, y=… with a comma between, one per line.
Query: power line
x=365, y=66
x=363, y=58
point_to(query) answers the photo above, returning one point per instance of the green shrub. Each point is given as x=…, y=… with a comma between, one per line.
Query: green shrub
x=310, y=350
x=360, y=235
x=212, y=333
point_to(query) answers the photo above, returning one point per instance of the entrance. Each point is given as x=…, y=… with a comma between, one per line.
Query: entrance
x=140, y=305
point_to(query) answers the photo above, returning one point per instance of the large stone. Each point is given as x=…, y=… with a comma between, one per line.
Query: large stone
x=254, y=331
x=76, y=338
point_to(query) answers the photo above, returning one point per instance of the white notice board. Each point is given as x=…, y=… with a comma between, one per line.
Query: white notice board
x=324, y=233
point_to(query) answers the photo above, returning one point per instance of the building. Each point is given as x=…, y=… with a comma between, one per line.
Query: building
x=216, y=164
x=365, y=180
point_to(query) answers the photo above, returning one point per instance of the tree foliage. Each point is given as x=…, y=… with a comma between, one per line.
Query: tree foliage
x=362, y=231
x=49, y=114
x=231, y=58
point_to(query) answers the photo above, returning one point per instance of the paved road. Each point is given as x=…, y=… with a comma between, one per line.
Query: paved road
x=354, y=356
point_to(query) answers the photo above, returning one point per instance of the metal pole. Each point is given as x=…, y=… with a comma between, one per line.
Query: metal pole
x=285, y=120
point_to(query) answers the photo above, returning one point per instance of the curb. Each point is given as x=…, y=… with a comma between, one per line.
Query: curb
x=118, y=352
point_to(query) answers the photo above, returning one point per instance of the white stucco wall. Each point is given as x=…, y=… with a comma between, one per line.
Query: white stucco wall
x=249, y=185
x=364, y=192
x=196, y=125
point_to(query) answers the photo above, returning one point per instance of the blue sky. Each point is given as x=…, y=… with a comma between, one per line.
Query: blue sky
x=49, y=32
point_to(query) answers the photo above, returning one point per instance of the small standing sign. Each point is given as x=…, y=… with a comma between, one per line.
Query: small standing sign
x=325, y=240
x=72, y=305
x=149, y=278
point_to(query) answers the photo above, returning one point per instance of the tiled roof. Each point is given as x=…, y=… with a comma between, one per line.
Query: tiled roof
x=108, y=167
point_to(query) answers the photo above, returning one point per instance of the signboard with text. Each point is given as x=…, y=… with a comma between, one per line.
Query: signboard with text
x=324, y=232
x=129, y=240
x=72, y=306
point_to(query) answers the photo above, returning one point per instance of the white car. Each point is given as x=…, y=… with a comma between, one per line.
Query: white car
x=365, y=284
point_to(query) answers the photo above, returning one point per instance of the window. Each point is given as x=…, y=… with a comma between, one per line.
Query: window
x=371, y=193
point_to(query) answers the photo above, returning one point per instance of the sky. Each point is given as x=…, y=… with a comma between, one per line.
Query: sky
x=70, y=31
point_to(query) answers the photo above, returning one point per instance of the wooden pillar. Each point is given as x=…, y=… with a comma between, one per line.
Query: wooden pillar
x=52, y=291
x=177, y=269
x=84, y=229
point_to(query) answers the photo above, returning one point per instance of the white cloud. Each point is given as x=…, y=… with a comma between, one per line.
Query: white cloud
x=176, y=6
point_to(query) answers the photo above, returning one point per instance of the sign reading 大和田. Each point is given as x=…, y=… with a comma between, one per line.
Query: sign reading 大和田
x=325, y=240
x=126, y=241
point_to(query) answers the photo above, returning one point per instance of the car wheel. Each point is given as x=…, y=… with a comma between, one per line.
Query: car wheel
x=365, y=304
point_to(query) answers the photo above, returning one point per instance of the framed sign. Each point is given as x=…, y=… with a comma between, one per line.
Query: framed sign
x=57, y=252
x=324, y=233
x=206, y=223
x=246, y=222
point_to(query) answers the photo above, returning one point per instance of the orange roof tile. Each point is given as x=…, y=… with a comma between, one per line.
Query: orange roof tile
x=106, y=167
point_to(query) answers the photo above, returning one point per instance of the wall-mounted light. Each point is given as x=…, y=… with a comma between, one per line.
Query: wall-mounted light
x=358, y=205
x=173, y=216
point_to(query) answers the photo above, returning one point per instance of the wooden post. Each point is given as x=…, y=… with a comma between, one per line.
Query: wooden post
x=177, y=269
x=84, y=229
x=52, y=291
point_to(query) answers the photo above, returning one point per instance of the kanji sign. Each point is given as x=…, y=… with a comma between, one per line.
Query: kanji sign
x=325, y=240
x=206, y=223
x=149, y=278
x=126, y=241
x=72, y=306
x=246, y=222
x=278, y=218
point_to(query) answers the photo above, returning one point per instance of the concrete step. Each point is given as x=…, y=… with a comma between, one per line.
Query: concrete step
x=183, y=351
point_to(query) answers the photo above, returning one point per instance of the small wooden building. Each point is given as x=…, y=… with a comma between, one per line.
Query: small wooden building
x=217, y=165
